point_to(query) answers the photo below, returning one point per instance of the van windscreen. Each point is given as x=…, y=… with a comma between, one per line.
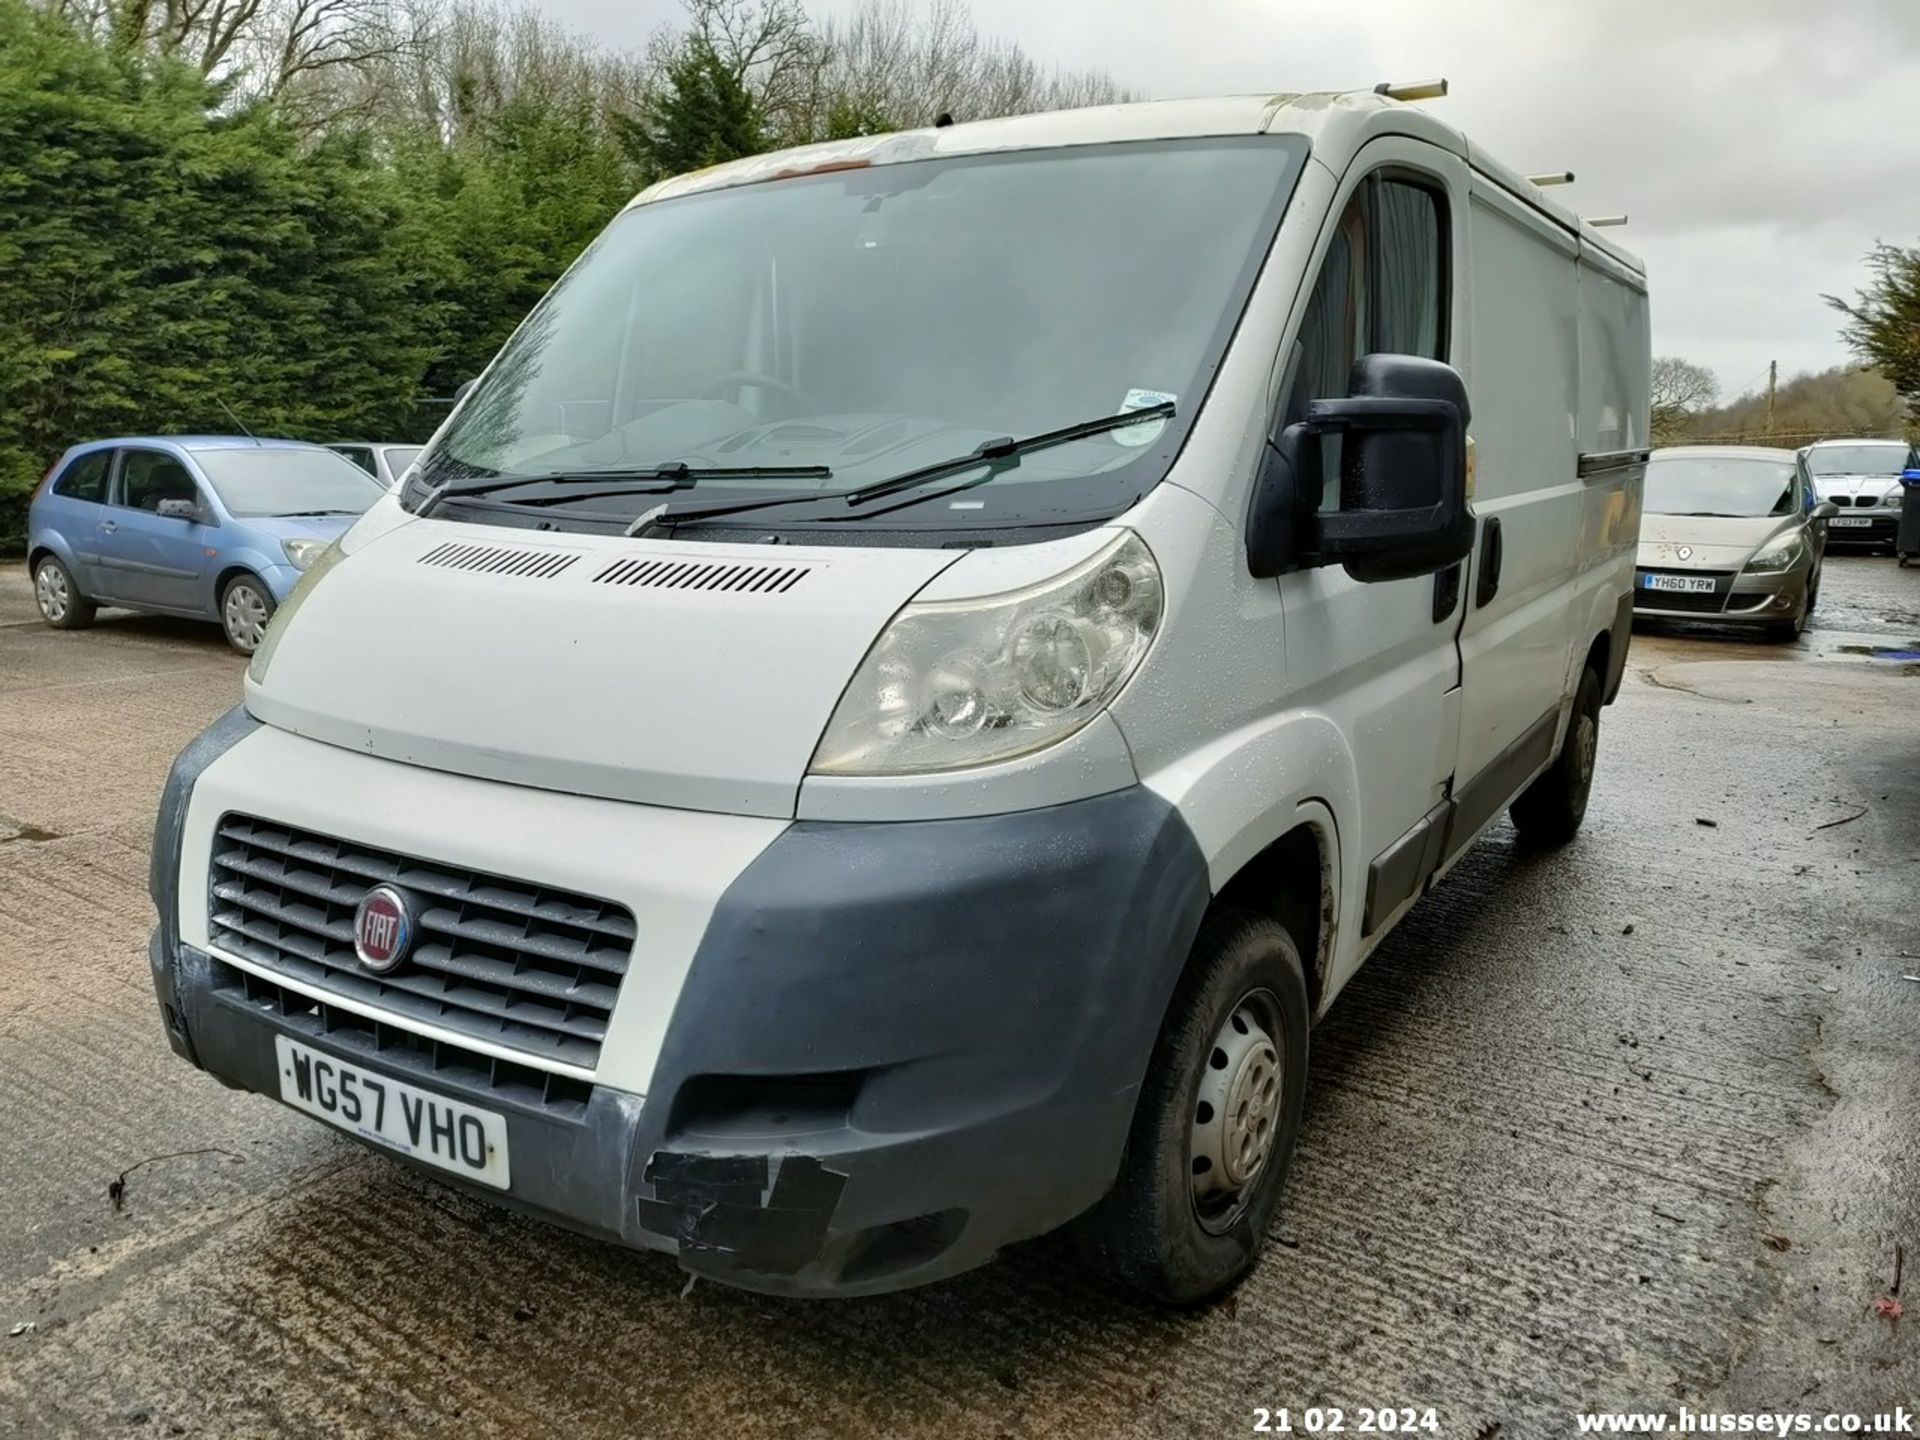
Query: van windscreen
x=878, y=320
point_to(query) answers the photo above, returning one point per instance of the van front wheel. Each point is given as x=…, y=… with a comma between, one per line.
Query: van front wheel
x=1216, y=1121
x=1549, y=811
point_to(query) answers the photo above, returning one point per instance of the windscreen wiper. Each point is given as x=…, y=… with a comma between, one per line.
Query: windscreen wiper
x=677, y=474
x=992, y=458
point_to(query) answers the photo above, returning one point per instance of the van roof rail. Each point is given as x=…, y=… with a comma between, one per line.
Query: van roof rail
x=1604, y=220
x=1414, y=90
x=1553, y=177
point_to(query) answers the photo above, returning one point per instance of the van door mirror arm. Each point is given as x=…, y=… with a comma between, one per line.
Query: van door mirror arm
x=1280, y=524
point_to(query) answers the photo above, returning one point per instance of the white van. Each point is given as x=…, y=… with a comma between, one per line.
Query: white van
x=876, y=728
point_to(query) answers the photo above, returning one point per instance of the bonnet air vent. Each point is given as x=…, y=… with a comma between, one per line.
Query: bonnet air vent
x=499, y=560
x=702, y=575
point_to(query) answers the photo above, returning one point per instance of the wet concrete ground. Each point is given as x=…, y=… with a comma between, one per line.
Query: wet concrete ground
x=1632, y=1125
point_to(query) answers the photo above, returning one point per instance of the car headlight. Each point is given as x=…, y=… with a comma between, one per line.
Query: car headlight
x=316, y=568
x=302, y=553
x=956, y=683
x=1776, y=555
x=1893, y=496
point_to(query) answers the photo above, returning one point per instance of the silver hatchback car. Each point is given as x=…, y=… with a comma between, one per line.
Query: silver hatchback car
x=1731, y=534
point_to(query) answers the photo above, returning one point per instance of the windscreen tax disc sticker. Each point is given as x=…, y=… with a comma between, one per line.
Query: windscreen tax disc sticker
x=1149, y=431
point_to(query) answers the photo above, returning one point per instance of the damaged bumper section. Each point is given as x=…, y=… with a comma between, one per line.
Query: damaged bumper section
x=899, y=1048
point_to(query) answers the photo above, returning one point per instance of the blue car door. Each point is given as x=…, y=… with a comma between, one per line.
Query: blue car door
x=150, y=558
x=73, y=506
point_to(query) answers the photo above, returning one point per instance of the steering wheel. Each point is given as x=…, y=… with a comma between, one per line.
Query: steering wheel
x=755, y=379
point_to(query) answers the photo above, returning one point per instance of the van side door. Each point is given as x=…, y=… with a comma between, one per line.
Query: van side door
x=1527, y=495
x=1379, y=659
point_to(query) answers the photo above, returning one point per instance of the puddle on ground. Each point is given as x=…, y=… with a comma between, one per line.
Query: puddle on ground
x=1910, y=651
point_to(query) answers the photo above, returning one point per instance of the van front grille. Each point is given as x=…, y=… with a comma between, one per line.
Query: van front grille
x=519, y=965
x=436, y=1063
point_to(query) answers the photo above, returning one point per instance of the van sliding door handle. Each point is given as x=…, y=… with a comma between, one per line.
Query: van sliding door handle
x=1491, y=550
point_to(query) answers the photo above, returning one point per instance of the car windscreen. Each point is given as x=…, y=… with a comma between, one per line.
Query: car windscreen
x=276, y=480
x=875, y=320
x=1857, y=459
x=1703, y=485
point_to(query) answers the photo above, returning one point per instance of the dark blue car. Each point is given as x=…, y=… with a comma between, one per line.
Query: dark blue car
x=213, y=527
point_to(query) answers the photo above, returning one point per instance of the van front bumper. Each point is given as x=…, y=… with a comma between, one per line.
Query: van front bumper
x=899, y=1048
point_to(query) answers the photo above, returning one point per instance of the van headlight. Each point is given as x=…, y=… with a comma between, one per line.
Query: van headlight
x=956, y=683
x=1774, y=556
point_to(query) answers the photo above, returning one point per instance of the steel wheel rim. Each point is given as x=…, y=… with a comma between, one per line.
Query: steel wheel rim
x=50, y=589
x=246, y=616
x=1235, y=1123
x=1586, y=745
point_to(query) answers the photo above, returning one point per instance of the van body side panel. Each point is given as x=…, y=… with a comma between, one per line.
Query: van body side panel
x=1524, y=383
x=1615, y=376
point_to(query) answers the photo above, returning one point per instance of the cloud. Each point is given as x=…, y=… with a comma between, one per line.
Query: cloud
x=1760, y=146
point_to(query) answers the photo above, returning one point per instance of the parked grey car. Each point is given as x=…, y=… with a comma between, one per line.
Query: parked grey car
x=1862, y=479
x=208, y=526
x=386, y=463
x=1731, y=533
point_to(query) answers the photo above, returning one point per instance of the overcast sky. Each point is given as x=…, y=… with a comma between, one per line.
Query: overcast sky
x=1760, y=146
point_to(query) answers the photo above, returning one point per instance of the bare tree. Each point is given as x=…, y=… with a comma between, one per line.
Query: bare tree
x=915, y=63
x=769, y=46
x=305, y=38
x=1680, y=391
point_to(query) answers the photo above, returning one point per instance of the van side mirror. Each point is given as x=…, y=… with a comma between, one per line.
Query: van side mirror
x=1403, y=477
x=178, y=510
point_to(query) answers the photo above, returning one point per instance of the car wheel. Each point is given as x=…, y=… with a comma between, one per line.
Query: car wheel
x=245, y=608
x=1787, y=631
x=61, y=604
x=1549, y=811
x=1214, y=1128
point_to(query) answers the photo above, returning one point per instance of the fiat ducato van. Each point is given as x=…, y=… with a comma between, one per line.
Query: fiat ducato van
x=877, y=727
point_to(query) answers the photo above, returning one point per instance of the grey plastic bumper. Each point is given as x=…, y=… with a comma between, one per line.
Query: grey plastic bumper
x=900, y=1047
x=163, y=861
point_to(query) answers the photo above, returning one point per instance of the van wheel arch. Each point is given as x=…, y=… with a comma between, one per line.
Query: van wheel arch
x=1292, y=881
x=1599, y=654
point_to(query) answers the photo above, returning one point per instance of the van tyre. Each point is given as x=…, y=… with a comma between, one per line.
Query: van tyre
x=1214, y=1129
x=1549, y=811
x=61, y=604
